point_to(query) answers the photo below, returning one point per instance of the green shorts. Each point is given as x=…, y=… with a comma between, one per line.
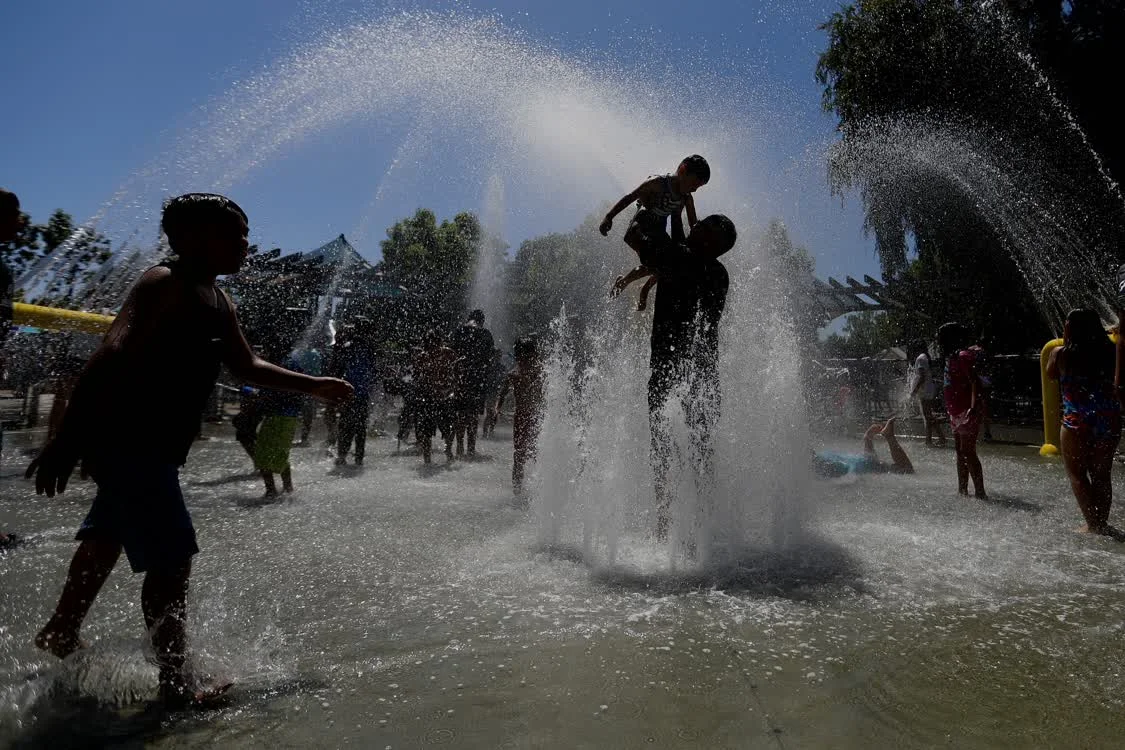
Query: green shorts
x=275, y=438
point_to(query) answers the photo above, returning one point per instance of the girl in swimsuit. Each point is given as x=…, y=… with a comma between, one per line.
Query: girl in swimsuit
x=1091, y=423
x=964, y=403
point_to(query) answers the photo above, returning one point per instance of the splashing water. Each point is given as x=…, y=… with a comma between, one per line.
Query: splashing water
x=1033, y=209
x=535, y=133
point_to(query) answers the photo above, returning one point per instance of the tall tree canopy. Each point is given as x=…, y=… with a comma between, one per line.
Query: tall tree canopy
x=74, y=252
x=435, y=261
x=974, y=177
x=572, y=269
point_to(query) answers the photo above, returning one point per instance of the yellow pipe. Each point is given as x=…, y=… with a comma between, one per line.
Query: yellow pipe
x=1052, y=408
x=54, y=319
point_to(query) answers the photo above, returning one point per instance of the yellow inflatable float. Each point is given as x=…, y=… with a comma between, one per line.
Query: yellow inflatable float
x=55, y=319
x=1052, y=407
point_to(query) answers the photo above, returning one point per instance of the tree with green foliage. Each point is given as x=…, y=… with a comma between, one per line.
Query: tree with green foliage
x=863, y=335
x=435, y=261
x=73, y=253
x=563, y=269
x=965, y=66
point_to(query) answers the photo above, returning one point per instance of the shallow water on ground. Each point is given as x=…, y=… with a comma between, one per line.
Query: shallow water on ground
x=394, y=606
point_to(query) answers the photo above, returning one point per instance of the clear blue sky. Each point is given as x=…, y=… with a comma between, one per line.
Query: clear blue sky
x=97, y=91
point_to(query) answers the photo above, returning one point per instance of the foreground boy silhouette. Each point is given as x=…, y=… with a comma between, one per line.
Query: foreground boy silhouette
x=131, y=422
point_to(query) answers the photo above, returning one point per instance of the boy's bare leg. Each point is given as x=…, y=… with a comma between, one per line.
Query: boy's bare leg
x=271, y=486
x=471, y=422
x=164, y=601
x=898, y=455
x=425, y=440
x=90, y=566
x=642, y=298
x=287, y=479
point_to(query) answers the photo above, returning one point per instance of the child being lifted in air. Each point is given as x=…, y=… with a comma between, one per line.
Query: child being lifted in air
x=658, y=198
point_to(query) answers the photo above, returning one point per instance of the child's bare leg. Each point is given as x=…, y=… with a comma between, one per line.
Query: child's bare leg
x=271, y=486
x=972, y=463
x=962, y=465
x=1101, y=478
x=164, y=601
x=90, y=566
x=933, y=427
x=898, y=455
x=287, y=479
x=426, y=440
x=642, y=299
x=1075, y=459
x=869, y=439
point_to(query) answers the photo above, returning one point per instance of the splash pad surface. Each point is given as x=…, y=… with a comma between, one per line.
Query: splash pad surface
x=394, y=606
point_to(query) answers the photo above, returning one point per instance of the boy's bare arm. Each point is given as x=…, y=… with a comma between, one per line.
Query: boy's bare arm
x=689, y=206
x=624, y=281
x=643, y=190
x=246, y=365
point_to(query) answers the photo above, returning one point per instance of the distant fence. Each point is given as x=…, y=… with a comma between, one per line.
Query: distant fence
x=872, y=388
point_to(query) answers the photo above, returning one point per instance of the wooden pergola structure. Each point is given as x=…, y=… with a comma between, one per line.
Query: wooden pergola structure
x=832, y=299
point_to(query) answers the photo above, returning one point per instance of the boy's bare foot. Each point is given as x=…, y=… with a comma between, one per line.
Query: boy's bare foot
x=58, y=642
x=1105, y=530
x=888, y=429
x=981, y=495
x=872, y=431
x=180, y=697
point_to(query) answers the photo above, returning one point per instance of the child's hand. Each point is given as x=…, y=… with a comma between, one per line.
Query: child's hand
x=52, y=468
x=618, y=287
x=606, y=225
x=333, y=390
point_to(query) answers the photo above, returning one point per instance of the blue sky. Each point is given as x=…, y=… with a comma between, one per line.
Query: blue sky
x=98, y=91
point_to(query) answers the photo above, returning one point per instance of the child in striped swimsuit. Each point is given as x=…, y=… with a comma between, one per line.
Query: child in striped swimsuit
x=657, y=199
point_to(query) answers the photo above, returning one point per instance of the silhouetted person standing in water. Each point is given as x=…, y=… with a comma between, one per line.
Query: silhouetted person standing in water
x=133, y=417
x=685, y=344
x=354, y=361
x=473, y=344
x=1091, y=421
x=11, y=224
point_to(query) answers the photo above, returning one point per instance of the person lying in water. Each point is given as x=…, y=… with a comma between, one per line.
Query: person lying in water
x=832, y=465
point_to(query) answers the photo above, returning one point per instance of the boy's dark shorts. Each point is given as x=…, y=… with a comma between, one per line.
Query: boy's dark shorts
x=140, y=506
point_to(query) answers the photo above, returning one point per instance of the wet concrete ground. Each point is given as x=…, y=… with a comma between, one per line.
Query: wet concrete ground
x=403, y=607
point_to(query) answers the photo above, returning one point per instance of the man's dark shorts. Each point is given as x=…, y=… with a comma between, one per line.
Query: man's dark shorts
x=140, y=506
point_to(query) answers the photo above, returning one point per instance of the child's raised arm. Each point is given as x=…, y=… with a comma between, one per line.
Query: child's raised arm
x=643, y=190
x=689, y=206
